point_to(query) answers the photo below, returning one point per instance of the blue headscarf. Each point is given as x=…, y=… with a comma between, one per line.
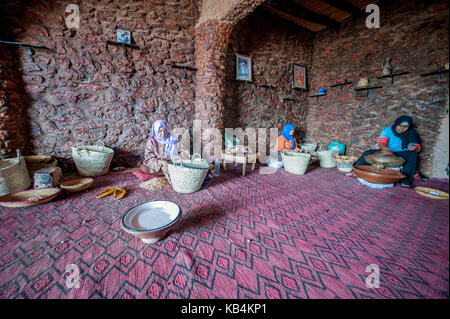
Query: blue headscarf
x=169, y=141
x=286, y=133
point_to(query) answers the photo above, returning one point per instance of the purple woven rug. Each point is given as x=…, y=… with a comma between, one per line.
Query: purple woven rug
x=259, y=236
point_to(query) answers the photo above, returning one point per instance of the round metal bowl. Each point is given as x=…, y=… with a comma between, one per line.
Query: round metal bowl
x=378, y=176
x=151, y=221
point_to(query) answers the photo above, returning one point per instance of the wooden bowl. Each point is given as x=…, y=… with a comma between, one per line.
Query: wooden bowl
x=37, y=158
x=29, y=197
x=431, y=192
x=378, y=176
x=77, y=185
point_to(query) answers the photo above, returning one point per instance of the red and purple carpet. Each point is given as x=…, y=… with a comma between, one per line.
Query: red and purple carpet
x=259, y=236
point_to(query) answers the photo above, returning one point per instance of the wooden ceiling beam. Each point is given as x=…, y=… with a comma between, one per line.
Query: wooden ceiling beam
x=344, y=6
x=296, y=10
x=275, y=19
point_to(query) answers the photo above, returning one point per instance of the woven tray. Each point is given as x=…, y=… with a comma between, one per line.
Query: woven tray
x=431, y=193
x=29, y=197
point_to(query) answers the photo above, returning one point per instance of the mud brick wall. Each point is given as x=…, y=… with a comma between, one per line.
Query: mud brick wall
x=273, y=49
x=415, y=35
x=83, y=90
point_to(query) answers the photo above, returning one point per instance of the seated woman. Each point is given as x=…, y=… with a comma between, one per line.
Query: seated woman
x=285, y=142
x=402, y=140
x=160, y=148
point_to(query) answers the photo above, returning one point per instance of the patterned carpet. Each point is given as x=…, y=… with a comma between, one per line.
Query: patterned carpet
x=261, y=236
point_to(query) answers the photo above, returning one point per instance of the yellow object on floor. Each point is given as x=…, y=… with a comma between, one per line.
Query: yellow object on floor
x=117, y=191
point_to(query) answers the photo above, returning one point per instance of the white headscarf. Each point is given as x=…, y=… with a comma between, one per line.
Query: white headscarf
x=170, y=149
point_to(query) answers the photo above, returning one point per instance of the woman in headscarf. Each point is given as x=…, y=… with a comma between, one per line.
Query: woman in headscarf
x=161, y=147
x=286, y=141
x=402, y=140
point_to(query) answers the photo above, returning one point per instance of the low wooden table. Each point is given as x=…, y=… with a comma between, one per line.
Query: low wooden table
x=239, y=159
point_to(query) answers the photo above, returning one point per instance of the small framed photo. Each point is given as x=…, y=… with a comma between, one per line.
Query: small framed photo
x=243, y=67
x=299, y=77
x=123, y=36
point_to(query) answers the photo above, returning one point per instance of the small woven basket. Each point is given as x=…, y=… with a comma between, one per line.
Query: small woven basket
x=345, y=163
x=92, y=160
x=295, y=162
x=13, y=175
x=187, y=176
x=309, y=147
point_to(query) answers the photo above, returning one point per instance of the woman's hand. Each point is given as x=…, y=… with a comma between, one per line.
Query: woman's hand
x=412, y=148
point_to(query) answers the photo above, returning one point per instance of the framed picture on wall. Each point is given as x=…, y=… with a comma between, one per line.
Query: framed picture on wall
x=123, y=36
x=299, y=77
x=243, y=67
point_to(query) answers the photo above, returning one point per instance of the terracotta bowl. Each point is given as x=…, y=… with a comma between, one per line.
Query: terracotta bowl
x=151, y=221
x=378, y=176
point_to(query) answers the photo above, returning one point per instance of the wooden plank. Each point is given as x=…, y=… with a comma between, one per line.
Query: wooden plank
x=296, y=10
x=345, y=6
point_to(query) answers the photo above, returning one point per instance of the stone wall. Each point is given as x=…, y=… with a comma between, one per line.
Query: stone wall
x=83, y=90
x=416, y=37
x=273, y=49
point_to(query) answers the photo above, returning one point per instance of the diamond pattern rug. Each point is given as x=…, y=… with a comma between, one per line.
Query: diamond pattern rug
x=259, y=236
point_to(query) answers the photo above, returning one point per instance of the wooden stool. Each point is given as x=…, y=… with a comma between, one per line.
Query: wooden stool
x=239, y=159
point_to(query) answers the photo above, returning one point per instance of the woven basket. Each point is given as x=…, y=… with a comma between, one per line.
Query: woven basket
x=187, y=176
x=30, y=197
x=309, y=147
x=295, y=162
x=37, y=162
x=13, y=175
x=77, y=185
x=431, y=192
x=326, y=159
x=345, y=163
x=92, y=160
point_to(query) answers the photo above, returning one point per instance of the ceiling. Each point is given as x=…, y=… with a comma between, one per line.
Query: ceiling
x=314, y=15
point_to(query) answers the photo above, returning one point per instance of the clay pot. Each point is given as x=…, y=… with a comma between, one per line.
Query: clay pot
x=378, y=176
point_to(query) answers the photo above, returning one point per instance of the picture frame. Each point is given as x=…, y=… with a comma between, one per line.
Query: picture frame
x=123, y=36
x=299, y=80
x=243, y=67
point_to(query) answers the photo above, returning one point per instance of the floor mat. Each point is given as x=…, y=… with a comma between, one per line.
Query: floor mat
x=259, y=236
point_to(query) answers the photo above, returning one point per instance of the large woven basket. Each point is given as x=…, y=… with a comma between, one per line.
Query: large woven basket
x=326, y=158
x=13, y=175
x=92, y=160
x=295, y=162
x=187, y=176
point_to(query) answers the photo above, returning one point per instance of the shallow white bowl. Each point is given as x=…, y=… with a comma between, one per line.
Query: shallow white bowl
x=151, y=221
